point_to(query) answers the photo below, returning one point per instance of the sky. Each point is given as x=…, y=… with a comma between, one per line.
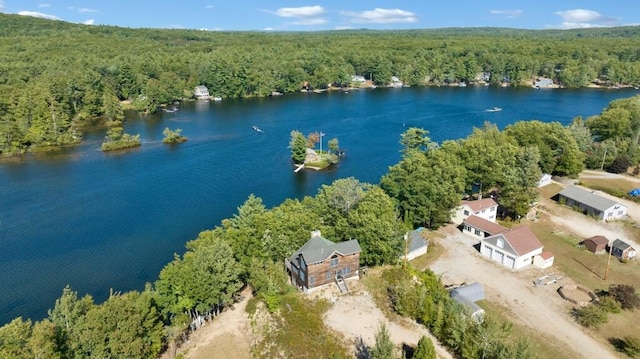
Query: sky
x=281, y=15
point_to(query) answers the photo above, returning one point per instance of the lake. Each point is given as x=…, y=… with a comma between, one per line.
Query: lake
x=100, y=221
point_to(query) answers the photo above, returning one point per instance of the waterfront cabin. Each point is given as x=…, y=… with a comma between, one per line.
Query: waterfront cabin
x=201, y=92
x=320, y=262
x=485, y=208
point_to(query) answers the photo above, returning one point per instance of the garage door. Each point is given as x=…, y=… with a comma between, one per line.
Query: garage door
x=497, y=256
x=486, y=251
x=509, y=261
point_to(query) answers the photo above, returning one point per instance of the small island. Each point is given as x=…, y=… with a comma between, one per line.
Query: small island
x=305, y=154
x=173, y=136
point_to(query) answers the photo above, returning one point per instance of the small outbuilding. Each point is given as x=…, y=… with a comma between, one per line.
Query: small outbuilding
x=622, y=250
x=596, y=244
x=415, y=244
x=201, y=92
x=468, y=295
x=543, y=260
x=544, y=180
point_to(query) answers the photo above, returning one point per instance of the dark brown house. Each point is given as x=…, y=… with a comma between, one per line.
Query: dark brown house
x=320, y=261
x=596, y=244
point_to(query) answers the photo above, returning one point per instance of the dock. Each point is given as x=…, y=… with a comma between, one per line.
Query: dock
x=299, y=168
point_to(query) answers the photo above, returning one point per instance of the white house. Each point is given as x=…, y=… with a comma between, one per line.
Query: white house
x=358, y=78
x=479, y=228
x=415, y=244
x=592, y=204
x=485, y=208
x=515, y=248
x=201, y=92
x=395, y=82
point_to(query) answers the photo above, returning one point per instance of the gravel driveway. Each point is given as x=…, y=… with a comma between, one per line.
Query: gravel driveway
x=540, y=307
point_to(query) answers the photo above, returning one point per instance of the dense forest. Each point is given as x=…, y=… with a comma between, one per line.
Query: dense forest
x=57, y=77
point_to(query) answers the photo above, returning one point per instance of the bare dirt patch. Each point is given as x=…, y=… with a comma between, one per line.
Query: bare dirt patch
x=225, y=337
x=357, y=318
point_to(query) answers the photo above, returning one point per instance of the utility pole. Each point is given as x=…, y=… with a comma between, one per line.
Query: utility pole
x=606, y=271
x=604, y=157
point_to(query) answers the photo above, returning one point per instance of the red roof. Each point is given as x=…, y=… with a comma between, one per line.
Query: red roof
x=598, y=240
x=479, y=204
x=522, y=240
x=484, y=225
x=546, y=255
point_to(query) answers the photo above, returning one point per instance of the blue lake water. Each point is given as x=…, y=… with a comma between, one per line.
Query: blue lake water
x=99, y=221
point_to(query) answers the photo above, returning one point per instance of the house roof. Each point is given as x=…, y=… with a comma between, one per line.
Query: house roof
x=621, y=245
x=589, y=198
x=484, y=225
x=517, y=241
x=598, y=240
x=319, y=249
x=472, y=292
x=415, y=240
x=479, y=204
x=546, y=255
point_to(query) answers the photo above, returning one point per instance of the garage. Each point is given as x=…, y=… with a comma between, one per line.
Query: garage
x=497, y=256
x=486, y=251
x=509, y=262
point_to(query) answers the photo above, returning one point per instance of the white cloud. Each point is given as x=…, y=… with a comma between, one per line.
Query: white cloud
x=38, y=14
x=209, y=7
x=300, y=12
x=381, y=16
x=507, y=13
x=89, y=22
x=582, y=18
x=87, y=10
x=44, y=5
x=268, y=29
x=305, y=15
x=344, y=28
x=1, y=6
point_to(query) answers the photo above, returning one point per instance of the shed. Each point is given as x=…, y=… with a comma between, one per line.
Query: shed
x=543, y=260
x=544, y=180
x=596, y=244
x=467, y=296
x=415, y=244
x=622, y=250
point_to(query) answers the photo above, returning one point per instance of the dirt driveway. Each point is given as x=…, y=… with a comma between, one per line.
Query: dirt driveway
x=540, y=307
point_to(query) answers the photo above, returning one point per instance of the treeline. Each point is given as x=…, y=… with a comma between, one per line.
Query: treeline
x=55, y=77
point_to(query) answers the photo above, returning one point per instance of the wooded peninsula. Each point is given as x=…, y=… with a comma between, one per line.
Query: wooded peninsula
x=56, y=78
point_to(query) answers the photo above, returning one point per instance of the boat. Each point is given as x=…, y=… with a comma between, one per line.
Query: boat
x=255, y=128
x=495, y=109
x=171, y=109
x=217, y=98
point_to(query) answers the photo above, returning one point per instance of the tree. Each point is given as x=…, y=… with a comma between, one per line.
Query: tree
x=426, y=186
x=333, y=145
x=67, y=316
x=424, y=349
x=298, y=146
x=416, y=139
x=384, y=347
x=14, y=339
x=173, y=136
x=625, y=295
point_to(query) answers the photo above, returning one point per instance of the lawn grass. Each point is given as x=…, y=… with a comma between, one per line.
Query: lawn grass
x=620, y=184
x=547, y=346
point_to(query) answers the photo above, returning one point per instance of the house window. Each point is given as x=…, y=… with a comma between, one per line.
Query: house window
x=619, y=213
x=334, y=261
x=478, y=233
x=467, y=228
x=484, y=210
x=493, y=209
x=328, y=276
x=500, y=243
x=346, y=270
x=312, y=280
x=466, y=212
